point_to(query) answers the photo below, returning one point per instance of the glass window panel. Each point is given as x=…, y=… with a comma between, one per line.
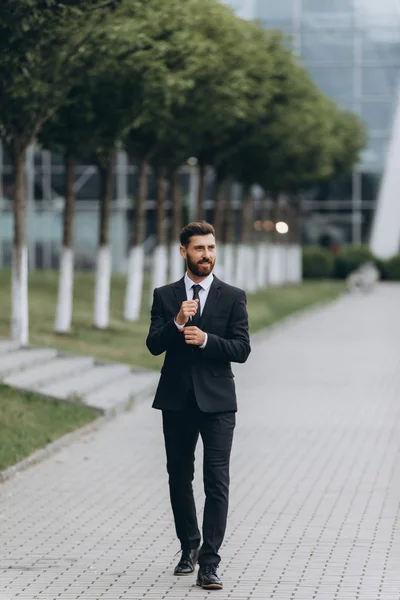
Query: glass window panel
x=378, y=115
x=57, y=159
x=370, y=183
x=381, y=46
x=327, y=46
x=375, y=153
x=335, y=14
x=336, y=82
x=271, y=10
x=37, y=157
x=333, y=6
x=339, y=189
x=375, y=13
x=378, y=81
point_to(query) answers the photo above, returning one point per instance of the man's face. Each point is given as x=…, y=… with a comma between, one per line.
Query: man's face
x=200, y=254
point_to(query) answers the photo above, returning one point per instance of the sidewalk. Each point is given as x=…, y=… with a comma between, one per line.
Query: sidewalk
x=315, y=501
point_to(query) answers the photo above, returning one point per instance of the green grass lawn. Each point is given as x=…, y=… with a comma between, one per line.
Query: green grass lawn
x=29, y=422
x=125, y=342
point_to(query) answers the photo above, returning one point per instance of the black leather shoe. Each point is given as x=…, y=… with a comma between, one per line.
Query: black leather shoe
x=208, y=579
x=188, y=562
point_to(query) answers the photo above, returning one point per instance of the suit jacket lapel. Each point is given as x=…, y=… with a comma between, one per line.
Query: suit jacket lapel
x=180, y=292
x=211, y=301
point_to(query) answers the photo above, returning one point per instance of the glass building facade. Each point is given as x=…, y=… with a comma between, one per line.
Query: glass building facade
x=351, y=48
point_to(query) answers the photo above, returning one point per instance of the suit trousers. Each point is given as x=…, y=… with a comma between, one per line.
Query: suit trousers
x=181, y=432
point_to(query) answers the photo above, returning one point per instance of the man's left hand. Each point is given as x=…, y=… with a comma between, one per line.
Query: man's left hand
x=194, y=336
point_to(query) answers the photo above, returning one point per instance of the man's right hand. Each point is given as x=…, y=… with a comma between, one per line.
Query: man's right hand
x=188, y=309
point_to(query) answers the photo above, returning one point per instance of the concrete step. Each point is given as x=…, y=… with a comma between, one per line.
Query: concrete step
x=39, y=375
x=8, y=346
x=117, y=396
x=88, y=381
x=24, y=358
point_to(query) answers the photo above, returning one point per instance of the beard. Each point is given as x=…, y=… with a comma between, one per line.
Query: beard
x=200, y=269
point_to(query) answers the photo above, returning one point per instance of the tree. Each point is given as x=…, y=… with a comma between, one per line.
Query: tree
x=231, y=81
x=122, y=90
x=166, y=137
x=40, y=54
x=67, y=132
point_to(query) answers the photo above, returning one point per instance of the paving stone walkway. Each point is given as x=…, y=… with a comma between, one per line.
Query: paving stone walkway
x=315, y=504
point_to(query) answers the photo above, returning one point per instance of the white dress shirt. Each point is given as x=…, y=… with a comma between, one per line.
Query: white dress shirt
x=203, y=295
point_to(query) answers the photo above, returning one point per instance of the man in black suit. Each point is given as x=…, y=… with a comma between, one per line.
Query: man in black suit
x=202, y=325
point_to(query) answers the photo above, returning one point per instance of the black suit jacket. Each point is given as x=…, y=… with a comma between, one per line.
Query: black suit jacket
x=207, y=371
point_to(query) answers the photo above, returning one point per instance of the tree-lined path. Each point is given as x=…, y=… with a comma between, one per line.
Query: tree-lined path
x=315, y=498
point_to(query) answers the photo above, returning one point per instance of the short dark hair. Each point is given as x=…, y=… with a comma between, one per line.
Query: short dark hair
x=196, y=228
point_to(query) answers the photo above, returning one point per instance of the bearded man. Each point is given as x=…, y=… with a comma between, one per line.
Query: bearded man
x=201, y=324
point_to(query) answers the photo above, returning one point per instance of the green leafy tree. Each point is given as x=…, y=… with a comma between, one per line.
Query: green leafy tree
x=40, y=55
x=132, y=75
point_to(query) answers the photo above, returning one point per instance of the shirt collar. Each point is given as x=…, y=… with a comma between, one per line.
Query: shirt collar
x=205, y=284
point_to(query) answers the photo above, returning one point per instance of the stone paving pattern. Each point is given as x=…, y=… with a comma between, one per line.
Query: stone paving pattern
x=315, y=492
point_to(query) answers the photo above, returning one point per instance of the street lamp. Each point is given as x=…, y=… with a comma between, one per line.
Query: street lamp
x=282, y=227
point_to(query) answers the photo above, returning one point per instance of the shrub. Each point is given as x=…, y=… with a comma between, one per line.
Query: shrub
x=382, y=266
x=318, y=263
x=393, y=268
x=349, y=259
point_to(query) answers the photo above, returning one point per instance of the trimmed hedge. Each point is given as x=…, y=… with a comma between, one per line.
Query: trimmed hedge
x=349, y=259
x=382, y=266
x=318, y=263
x=393, y=268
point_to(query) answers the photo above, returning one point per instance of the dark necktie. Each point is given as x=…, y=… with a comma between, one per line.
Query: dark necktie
x=196, y=319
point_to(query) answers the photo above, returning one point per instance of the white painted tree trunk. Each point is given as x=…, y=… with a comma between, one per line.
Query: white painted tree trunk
x=262, y=265
x=241, y=260
x=293, y=263
x=283, y=261
x=134, y=285
x=65, y=291
x=298, y=263
x=251, y=270
x=159, y=268
x=20, y=313
x=176, y=263
x=289, y=274
x=102, y=290
x=229, y=264
x=219, y=269
x=276, y=270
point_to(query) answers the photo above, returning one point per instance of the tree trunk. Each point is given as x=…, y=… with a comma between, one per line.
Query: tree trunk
x=160, y=256
x=296, y=257
x=276, y=270
x=176, y=261
x=229, y=266
x=218, y=222
x=251, y=270
x=103, y=268
x=105, y=202
x=219, y=208
x=66, y=275
x=161, y=229
x=262, y=250
x=201, y=192
x=20, y=313
x=134, y=288
x=243, y=253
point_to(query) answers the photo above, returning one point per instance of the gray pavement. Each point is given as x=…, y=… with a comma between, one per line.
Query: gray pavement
x=315, y=500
